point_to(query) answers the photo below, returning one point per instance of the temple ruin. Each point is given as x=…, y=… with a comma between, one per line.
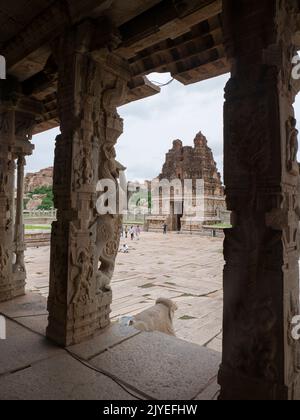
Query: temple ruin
x=190, y=163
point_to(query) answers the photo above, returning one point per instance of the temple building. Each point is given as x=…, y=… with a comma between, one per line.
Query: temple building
x=186, y=163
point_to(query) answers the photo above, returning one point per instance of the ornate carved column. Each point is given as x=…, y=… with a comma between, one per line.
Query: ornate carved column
x=19, y=240
x=16, y=126
x=84, y=245
x=8, y=289
x=261, y=276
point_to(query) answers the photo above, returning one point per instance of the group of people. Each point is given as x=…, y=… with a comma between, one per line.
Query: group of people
x=134, y=232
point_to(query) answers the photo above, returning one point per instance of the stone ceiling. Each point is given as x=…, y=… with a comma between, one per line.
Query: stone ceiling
x=183, y=37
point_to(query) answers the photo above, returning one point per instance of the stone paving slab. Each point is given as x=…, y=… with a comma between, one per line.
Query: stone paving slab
x=111, y=337
x=60, y=378
x=23, y=348
x=162, y=366
x=37, y=324
x=153, y=364
x=30, y=304
x=179, y=267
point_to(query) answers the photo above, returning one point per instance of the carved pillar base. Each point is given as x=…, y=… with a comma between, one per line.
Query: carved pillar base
x=84, y=245
x=261, y=360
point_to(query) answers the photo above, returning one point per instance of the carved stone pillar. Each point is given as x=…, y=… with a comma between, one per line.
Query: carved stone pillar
x=84, y=245
x=8, y=288
x=15, y=132
x=261, y=276
x=19, y=239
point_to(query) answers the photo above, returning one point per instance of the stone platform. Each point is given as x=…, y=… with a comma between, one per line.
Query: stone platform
x=119, y=364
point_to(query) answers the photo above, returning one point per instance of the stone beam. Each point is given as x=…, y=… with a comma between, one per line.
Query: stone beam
x=170, y=54
x=46, y=27
x=167, y=20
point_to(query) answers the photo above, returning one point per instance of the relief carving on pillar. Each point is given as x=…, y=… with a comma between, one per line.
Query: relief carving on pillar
x=83, y=168
x=5, y=124
x=59, y=175
x=261, y=276
x=90, y=87
x=250, y=139
x=58, y=289
x=109, y=226
x=3, y=176
x=4, y=260
x=292, y=146
x=83, y=264
x=294, y=345
x=107, y=246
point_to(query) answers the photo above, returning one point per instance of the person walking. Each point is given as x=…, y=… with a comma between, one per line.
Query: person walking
x=165, y=227
x=126, y=232
x=131, y=232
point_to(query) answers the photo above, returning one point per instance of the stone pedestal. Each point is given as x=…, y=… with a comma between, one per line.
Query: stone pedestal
x=261, y=277
x=84, y=244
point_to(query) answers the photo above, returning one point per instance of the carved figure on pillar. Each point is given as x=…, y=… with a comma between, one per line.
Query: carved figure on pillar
x=261, y=275
x=92, y=83
x=17, y=118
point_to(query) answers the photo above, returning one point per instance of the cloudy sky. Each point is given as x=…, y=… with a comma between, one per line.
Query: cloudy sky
x=178, y=112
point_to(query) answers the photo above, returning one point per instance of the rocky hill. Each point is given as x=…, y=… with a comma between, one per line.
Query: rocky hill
x=43, y=178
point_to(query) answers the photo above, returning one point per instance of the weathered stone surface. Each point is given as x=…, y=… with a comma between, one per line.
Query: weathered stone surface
x=161, y=366
x=16, y=128
x=107, y=339
x=43, y=178
x=261, y=275
x=189, y=163
x=60, y=378
x=91, y=85
x=31, y=304
x=140, y=278
x=23, y=348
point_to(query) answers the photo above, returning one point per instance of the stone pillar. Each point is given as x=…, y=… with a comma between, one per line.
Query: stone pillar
x=261, y=276
x=8, y=288
x=19, y=239
x=17, y=118
x=84, y=245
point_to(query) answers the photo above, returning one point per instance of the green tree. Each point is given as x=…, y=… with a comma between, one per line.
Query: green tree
x=47, y=203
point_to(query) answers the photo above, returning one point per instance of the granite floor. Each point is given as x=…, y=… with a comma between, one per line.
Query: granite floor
x=121, y=363
x=185, y=268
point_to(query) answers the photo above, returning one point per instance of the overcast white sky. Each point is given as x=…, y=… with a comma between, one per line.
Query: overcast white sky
x=151, y=124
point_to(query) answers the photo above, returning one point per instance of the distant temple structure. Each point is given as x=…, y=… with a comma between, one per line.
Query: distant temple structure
x=190, y=163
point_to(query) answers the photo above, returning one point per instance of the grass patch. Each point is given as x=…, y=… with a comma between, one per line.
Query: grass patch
x=36, y=227
x=187, y=318
x=222, y=226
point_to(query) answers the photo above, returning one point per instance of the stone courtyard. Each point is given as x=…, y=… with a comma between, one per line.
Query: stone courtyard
x=185, y=268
